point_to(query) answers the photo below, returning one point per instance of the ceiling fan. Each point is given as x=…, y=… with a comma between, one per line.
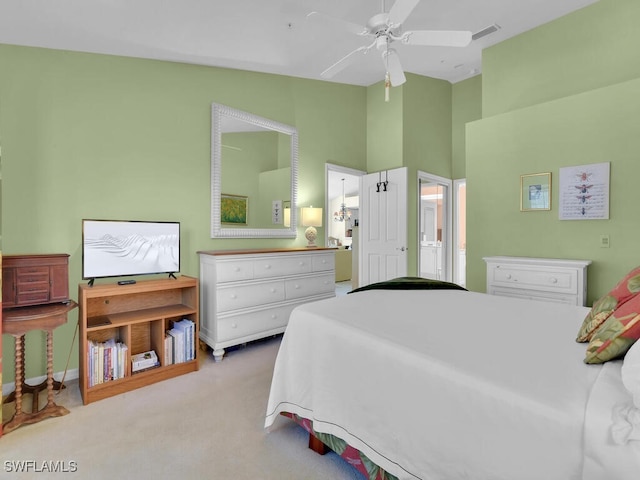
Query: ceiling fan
x=386, y=28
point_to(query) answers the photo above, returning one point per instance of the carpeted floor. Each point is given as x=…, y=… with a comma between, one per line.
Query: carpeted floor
x=203, y=425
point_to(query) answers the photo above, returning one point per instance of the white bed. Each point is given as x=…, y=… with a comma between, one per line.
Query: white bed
x=450, y=384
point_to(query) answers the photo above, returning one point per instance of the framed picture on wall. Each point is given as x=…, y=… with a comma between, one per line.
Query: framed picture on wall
x=234, y=209
x=535, y=192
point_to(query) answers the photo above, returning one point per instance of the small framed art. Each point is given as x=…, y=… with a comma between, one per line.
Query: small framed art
x=535, y=192
x=234, y=209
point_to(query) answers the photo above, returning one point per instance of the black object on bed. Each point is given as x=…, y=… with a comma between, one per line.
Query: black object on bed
x=410, y=283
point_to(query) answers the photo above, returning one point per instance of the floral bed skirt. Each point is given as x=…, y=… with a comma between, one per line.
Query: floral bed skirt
x=354, y=457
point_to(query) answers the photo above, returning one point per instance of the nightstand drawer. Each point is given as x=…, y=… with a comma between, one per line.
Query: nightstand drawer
x=541, y=279
x=536, y=279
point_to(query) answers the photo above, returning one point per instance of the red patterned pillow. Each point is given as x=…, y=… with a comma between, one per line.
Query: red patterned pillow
x=625, y=290
x=617, y=334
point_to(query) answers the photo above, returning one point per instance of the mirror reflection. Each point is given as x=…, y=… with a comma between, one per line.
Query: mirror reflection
x=254, y=174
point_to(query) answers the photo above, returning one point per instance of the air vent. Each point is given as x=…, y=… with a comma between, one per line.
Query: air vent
x=485, y=31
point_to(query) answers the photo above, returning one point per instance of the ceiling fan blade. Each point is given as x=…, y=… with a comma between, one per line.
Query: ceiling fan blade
x=438, y=38
x=392, y=64
x=401, y=10
x=338, y=23
x=343, y=63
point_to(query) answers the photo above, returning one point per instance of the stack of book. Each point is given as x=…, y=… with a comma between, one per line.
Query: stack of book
x=106, y=361
x=144, y=361
x=179, y=344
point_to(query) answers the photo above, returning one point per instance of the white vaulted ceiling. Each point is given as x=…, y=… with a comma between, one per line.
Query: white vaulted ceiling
x=272, y=36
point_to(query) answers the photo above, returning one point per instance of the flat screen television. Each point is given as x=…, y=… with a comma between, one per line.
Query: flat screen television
x=118, y=248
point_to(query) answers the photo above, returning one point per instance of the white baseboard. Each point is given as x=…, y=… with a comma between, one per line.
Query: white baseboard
x=7, y=388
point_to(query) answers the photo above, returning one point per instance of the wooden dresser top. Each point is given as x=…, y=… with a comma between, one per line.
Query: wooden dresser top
x=249, y=251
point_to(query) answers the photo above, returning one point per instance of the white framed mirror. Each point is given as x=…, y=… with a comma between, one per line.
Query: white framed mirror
x=254, y=175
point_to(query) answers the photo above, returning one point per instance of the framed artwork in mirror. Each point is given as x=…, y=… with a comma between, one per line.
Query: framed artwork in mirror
x=535, y=192
x=234, y=209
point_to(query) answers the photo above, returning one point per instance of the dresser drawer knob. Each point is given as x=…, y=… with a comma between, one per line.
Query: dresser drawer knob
x=234, y=325
x=508, y=276
x=233, y=296
x=273, y=290
x=273, y=316
x=267, y=267
x=297, y=287
x=554, y=280
x=236, y=269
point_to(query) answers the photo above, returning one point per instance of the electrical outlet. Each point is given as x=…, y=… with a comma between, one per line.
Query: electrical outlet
x=604, y=241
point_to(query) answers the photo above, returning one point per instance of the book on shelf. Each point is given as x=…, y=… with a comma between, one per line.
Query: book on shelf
x=183, y=332
x=144, y=360
x=106, y=361
x=169, y=341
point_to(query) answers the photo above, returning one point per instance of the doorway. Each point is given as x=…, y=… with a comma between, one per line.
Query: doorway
x=434, y=227
x=460, y=232
x=342, y=207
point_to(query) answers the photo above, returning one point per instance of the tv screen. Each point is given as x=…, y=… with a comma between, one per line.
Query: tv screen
x=115, y=248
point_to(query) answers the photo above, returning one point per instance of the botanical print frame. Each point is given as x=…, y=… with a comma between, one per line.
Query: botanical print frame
x=234, y=209
x=535, y=192
x=584, y=192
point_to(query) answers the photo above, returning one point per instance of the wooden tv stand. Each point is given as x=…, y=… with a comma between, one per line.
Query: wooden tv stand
x=137, y=315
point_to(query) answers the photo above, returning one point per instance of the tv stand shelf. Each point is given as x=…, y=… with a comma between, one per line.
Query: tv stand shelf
x=137, y=315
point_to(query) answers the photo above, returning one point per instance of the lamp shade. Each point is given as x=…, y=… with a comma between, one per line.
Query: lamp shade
x=311, y=217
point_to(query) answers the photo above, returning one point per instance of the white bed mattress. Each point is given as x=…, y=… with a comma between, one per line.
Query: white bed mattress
x=446, y=384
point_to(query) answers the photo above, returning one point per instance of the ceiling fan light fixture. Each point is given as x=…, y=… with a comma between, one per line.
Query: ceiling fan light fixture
x=386, y=28
x=387, y=86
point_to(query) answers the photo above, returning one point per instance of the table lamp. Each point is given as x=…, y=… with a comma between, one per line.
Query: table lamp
x=311, y=218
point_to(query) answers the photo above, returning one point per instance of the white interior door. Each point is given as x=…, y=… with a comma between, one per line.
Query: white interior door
x=383, y=226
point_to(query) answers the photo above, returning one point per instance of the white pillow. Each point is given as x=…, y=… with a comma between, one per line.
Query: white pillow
x=631, y=372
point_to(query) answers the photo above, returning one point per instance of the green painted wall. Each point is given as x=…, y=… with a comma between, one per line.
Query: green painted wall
x=96, y=136
x=544, y=109
x=466, y=106
x=582, y=51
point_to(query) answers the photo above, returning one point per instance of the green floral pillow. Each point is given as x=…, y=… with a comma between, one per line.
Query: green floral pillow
x=625, y=290
x=617, y=334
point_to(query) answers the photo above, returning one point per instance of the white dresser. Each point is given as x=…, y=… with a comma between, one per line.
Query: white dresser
x=544, y=279
x=249, y=294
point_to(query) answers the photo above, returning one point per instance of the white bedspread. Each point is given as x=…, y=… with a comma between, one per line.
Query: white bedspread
x=442, y=385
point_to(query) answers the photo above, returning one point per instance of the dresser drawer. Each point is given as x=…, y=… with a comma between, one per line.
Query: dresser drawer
x=321, y=263
x=309, y=286
x=234, y=297
x=33, y=297
x=281, y=266
x=238, y=326
x=536, y=279
x=24, y=281
x=33, y=271
x=235, y=270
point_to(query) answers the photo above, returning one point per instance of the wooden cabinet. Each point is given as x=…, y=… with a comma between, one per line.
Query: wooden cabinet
x=249, y=294
x=34, y=279
x=544, y=279
x=138, y=316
